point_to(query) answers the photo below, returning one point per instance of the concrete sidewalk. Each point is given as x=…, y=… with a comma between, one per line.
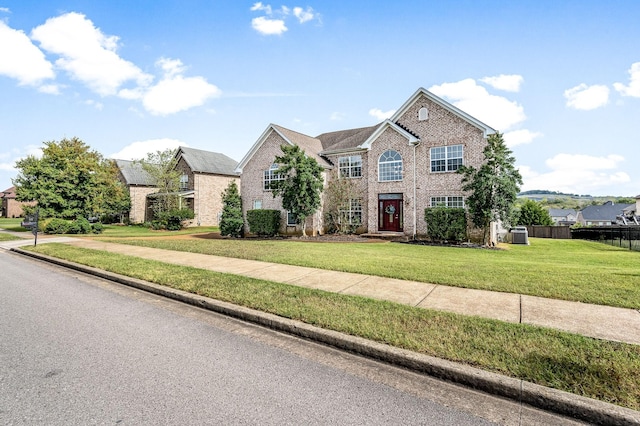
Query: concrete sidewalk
x=603, y=322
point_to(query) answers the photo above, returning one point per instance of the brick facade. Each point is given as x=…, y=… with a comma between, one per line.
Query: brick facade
x=404, y=133
x=12, y=208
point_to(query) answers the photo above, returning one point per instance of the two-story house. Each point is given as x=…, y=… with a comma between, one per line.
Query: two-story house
x=401, y=166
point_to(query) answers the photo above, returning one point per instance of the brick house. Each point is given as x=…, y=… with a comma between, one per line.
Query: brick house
x=11, y=207
x=140, y=185
x=400, y=166
x=204, y=176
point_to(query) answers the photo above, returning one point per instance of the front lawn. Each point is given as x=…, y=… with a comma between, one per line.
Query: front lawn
x=12, y=224
x=593, y=368
x=574, y=270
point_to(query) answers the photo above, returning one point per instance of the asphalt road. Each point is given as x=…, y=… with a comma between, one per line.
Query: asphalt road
x=76, y=350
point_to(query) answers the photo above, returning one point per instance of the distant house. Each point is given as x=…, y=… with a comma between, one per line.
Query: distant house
x=631, y=214
x=400, y=166
x=140, y=185
x=11, y=207
x=602, y=215
x=563, y=216
x=204, y=176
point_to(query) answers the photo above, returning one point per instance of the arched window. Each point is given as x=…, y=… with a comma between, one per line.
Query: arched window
x=390, y=166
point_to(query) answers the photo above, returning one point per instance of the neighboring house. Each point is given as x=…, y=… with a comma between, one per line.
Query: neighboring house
x=10, y=206
x=204, y=176
x=401, y=166
x=140, y=185
x=563, y=216
x=631, y=214
x=603, y=215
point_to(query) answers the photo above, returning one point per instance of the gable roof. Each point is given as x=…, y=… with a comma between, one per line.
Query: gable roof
x=606, y=212
x=201, y=161
x=487, y=130
x=134, y=174
x=8, y=193
x=346, y=139
x=561, y=212
x=310, y=145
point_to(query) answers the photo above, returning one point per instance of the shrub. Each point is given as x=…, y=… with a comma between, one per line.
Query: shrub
x=57, y=226
x=79, y=226
x=264, y=222
x=97, y=228
x=172, y=220
x=446, y=224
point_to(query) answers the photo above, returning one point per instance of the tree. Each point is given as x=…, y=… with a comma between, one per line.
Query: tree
x=70, y=181
x=161, y=166
x=493, y=187
x=532, y=213
x=231, y=222
x=338, y=194
x=301, y=185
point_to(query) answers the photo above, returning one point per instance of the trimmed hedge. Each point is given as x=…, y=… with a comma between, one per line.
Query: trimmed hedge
x=263, y=222
x=446, y=224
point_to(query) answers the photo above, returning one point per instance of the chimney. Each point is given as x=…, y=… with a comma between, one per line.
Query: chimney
x=637, y=205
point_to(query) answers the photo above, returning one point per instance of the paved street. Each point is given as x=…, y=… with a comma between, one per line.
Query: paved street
x=78, y=350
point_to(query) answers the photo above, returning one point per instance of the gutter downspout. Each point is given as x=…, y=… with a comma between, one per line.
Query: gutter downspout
x=415, y=184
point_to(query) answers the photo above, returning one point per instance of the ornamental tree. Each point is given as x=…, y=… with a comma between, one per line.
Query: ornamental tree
x=231, y=222
x=493, y=187
x=161, y=167
x=301, y=185
x=69, y=181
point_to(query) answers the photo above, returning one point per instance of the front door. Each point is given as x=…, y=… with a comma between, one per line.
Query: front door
x=390, y=215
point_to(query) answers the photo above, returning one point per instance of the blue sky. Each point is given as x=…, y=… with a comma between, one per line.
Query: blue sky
x=560, y=79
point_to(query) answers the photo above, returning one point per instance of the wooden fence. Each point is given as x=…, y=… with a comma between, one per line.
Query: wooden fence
x=557, y=232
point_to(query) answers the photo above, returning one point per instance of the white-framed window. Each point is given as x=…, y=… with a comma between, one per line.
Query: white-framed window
x=270, y=176
x=257, y=204
x=423, y=114
x=390, y=166
x=291, y=219
x=352, y=212
x=350, y=167
x=184, y=182
x=450, y=202
x=446, y=158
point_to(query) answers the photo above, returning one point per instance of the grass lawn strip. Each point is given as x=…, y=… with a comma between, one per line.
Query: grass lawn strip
x=598, y=369
x=574, y=270
x=8, y=237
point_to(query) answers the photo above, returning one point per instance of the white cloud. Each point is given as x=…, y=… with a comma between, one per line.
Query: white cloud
x=586, y=98
x=381, y=115
x=20, y=59
x=303, y=15
x=268, y=26
x=577, y=173
x=87, y=54
x=520, y=137
x=5, y=10
x=336, y=116
x=261, y=7
x=496, y=111
x=633, y=89
x=175, y=93
x=508, y=83
x=138, y=150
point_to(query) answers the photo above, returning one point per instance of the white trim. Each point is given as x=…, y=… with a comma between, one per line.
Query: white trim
x=384, y=126
x=256, y=146
x=446, y=105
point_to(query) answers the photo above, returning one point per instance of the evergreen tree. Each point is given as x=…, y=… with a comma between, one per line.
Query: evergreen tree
x=231, y=222
x=493, y=187
x=532, y=213
x=302, y=184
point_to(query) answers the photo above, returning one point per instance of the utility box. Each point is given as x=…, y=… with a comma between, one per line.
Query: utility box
x=519, y=235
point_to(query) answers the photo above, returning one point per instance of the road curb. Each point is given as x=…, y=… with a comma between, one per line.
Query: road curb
x=565, y=403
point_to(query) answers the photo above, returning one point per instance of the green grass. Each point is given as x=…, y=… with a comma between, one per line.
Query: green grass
x=12, y=224
x=132, y=231
x=8, y=237
x=574, y=270
x=593, y=368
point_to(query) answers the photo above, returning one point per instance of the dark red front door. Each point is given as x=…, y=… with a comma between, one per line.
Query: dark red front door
x=390, y=215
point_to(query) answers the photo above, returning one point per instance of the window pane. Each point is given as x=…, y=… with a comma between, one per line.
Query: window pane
x=390, y=166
